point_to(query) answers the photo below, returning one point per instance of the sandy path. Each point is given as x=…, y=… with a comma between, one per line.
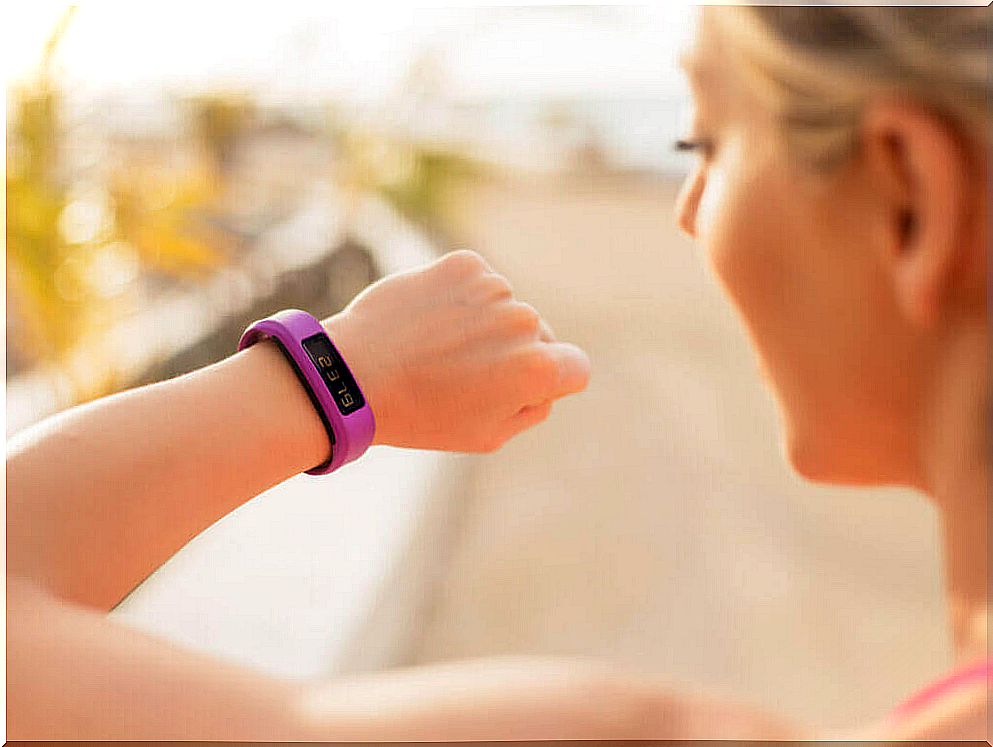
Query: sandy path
x=652, y=520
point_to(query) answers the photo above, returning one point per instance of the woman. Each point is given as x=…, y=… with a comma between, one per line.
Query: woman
x=840, y=197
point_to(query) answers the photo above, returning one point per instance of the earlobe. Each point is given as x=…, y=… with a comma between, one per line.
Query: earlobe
x=917, y=296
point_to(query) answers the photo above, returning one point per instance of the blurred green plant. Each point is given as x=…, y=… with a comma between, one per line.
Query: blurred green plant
x=220, y=120
x=35, y=201
x=422, y=181
x=152, y=209
x=428, y=194
x=74, y=248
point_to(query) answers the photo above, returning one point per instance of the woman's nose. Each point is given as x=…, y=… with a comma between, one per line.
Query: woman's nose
x=688, y=201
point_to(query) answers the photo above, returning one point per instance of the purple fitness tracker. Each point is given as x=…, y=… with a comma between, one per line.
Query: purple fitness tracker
x=337, y=398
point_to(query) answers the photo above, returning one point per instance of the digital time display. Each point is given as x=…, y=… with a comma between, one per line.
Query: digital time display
x=338, y=379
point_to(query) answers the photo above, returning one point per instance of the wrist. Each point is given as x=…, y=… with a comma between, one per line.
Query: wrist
x=325, y=378
x=368, y=361
x=281, y=412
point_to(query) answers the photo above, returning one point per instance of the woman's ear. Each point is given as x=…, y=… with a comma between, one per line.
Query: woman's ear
x=920, y=173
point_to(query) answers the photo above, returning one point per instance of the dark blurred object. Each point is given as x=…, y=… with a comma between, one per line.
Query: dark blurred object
x=323, y=288
x=41, y=305
x=82, y=240
x=221, y=120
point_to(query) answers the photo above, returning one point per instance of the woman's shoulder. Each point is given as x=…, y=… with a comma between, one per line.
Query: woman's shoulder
x=959, y=715
x=953, y=707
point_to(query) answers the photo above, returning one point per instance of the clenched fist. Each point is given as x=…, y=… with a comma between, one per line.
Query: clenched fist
x=449, y=359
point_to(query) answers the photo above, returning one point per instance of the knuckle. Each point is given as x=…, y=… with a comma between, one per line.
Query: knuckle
x=489, y=288
x=498, y=286
x=523, y=317
x=463, y=262
x=539, y=369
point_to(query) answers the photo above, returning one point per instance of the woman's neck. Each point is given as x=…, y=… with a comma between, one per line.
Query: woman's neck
x=956, y=448
x=966, y=577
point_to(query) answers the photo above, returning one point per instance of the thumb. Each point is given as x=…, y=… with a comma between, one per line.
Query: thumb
x=573, y=368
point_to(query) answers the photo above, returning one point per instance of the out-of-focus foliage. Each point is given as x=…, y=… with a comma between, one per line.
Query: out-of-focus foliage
x=419, y=180
x=37, y=255
x=426, y=194
x=152, y=210
x=219, y=120
x=76, y=248
x=91, y=241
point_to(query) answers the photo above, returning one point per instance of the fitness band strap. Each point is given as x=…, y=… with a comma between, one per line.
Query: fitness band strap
x=331, y=387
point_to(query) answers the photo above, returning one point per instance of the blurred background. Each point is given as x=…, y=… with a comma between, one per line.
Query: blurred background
x=175, y=172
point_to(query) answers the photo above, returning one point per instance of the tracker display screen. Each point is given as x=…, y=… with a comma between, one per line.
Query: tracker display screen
x=339, y=380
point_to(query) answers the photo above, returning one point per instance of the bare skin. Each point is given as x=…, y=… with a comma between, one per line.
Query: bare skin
x=836, y=294
x=864, y=294
x=466, y=367
x=449, y=359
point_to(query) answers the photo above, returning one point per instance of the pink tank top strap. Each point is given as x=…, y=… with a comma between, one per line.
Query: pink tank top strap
x=970, y=674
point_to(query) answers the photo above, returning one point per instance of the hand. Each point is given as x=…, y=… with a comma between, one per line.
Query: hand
x=527, y=698
x=449, y=360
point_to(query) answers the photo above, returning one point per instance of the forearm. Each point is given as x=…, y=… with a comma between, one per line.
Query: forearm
x=100, y=496
x=76, y=674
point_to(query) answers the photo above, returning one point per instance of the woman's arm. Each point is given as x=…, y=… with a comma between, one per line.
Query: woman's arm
x=76, y=674
x=100, y=496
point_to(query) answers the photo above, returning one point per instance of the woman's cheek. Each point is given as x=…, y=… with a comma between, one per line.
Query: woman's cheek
x=723, y=176
x=710, y=205
x=732, y=212
x=715, y=227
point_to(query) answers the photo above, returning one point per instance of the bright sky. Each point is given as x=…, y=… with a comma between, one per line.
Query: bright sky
x=360, y=51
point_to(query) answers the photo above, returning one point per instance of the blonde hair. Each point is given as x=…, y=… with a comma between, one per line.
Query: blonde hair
x=817, y=66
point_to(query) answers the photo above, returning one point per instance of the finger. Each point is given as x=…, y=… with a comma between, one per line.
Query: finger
x=476, y=256
x=529, y=416
x=491, y=287
x=486, y=263
x=463, y=263
x=545, y=333
x=573, y=366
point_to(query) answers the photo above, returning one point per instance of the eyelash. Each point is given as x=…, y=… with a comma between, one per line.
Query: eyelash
x=700, y=145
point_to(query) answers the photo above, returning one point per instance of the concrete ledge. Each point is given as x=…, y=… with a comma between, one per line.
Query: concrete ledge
x=291, y=581
x=317, y=575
